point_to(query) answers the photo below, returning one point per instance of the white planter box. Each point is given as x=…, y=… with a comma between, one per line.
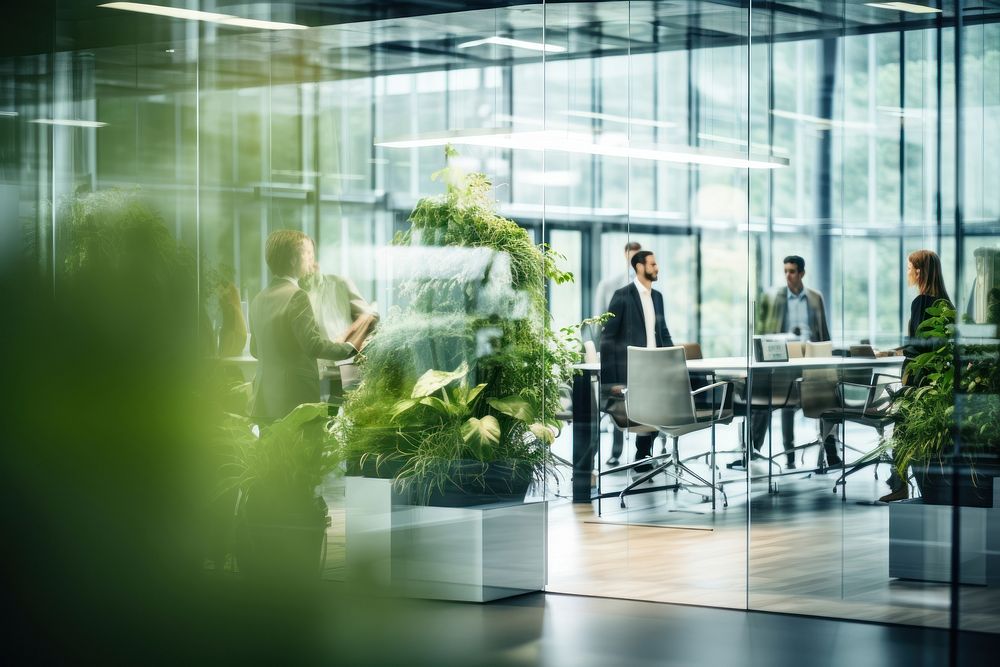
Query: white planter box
x=920, y=542
x=473, y=554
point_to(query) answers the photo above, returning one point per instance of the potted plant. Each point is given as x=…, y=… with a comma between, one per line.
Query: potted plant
x=459, y=384
x=954, y=393
x=282, y=519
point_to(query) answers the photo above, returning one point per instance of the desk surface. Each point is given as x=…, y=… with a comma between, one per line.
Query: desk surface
x=742, y=363
x=326, y=368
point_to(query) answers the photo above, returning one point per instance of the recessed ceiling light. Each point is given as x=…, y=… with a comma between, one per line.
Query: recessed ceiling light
x=169, y=51
x=514, y=43
x=905, y=7
x=196, y=15
x=68, y=122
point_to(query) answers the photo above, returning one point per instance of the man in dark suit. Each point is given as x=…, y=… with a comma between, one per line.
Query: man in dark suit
x=638, y=321
x=283, y=332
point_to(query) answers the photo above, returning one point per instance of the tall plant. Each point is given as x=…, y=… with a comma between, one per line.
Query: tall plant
x=469, y=368
x=927, y=421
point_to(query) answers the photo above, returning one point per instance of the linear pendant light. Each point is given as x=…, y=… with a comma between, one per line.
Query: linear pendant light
x=578, y=142
x=196, y=15
x=905, y=7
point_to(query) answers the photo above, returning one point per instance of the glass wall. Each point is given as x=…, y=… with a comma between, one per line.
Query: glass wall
x=722, y=138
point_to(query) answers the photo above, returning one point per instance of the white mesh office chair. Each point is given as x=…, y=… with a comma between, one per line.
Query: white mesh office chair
x=659, y=397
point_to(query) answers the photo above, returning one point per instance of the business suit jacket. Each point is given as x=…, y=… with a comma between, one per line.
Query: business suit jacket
x=628, y=327
x=286, y=340
x=772, y=318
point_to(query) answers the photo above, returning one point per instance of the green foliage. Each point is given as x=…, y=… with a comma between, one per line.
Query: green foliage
x=290, y=458
x=927, y=420
x=468, y=369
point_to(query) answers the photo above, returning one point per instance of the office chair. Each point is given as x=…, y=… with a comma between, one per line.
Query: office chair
x=659, y=397
x=869, y=405
x=771, y=390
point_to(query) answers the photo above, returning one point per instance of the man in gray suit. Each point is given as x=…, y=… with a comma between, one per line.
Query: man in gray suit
x=283, y=332
x=793, y=309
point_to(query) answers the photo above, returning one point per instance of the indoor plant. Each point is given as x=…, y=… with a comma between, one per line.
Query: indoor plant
x=941, y=404
x=282, y=519
x=459, y=384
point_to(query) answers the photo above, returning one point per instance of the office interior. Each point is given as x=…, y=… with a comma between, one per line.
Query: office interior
x=722, y=136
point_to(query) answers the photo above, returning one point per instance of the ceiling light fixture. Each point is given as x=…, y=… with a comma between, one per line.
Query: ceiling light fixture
x=68, y=122
x=612, y=118
x=823, y=123
x=514, y=43
x=579, y=142
x=196, y=15
x=905, y=7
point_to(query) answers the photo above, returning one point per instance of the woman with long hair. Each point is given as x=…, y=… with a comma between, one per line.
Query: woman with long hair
x=923, y=272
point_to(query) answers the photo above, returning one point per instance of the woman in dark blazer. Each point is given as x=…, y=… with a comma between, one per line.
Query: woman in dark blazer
x=924, y=272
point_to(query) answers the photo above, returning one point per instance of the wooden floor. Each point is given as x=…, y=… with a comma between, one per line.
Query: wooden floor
x=806, y=552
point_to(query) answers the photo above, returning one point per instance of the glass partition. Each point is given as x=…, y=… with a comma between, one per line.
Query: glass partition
x=724, y=138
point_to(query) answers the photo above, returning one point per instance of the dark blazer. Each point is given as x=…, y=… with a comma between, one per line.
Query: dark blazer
x=286, y=340
x=771, y=318
x=628, y=327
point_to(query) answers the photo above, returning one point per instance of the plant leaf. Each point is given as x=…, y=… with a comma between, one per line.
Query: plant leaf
x=481, y=431
x=543, y=433
x=514, y=406
x=433, y=380
x=403, y=406
x=474, y=393
x=436, y=403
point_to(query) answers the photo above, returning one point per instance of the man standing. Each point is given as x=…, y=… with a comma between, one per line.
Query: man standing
x=794, y=309
x=638, y=321
x=602, y=298
x=283, y=332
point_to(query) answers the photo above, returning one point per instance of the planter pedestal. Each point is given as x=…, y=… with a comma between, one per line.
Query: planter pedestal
x=473, y=554
x=920, y=542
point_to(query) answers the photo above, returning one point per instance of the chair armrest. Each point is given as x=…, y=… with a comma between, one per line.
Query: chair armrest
x=717, y=414
x=868, y=389
x=714, y=385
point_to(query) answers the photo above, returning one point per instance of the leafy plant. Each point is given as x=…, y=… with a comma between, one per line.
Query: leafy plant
x=289, y=459
x=467, y=368
x=927, y=420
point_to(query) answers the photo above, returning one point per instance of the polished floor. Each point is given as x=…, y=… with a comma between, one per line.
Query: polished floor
x=810, y=552
x=575, y=631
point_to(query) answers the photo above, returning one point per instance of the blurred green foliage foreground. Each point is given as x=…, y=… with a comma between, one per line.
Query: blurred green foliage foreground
x=107, y=471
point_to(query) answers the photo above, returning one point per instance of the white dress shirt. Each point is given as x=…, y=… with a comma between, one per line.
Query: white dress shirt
x=648, y=312
x=797, y=314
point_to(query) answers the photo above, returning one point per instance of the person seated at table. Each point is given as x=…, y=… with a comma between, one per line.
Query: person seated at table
x=923, y=271
x=800, y=311
x=283, y=332
x=638, y=321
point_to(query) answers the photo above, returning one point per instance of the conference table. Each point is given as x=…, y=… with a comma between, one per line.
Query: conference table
x=586, y=414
